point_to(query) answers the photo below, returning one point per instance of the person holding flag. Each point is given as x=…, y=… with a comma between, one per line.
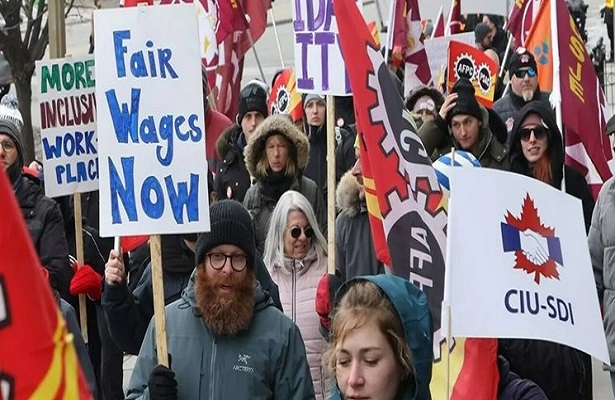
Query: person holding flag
x=537, y=151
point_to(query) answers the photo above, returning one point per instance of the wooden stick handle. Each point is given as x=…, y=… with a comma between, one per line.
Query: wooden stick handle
x=331, y=183
x=83, y=312
x=158, y=292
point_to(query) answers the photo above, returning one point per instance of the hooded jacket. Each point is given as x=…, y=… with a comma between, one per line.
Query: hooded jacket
x=576, y=185
x=46, y=227
x=266, y=361
x=412, y=308
x=508, y=107
x=512, y=387
x=437, y=137
x=561, y=371
x=232, y=178
x=602, y=253
x=354, y=248
x=297, y=281
x=259, y=204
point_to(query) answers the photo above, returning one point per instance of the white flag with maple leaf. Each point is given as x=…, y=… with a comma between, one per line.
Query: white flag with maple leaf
x=518, y=264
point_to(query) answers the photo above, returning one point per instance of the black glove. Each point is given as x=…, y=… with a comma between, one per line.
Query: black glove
x=162, y=384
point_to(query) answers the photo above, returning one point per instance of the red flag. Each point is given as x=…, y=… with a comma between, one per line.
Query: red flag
x=37, y=354
x=284, y=97
x=228, y=76
x=520, y=19
x=583, y=104
x=408, y=38
x=230, y=18
x=454, y=18
x=227, y=80
x=465, y=61
x=438, y=29
x=410, y=200
x=256, y=10
x=129, y=243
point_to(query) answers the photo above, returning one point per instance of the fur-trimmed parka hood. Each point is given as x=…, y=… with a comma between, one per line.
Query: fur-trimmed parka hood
x=347, y=195
x=281, y=125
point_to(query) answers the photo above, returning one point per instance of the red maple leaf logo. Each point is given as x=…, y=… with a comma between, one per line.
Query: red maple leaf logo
x=531, y=221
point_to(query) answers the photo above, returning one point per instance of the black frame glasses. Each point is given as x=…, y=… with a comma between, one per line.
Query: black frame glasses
x=8, y=145
x=522, y=73
x=295, y=232
x=540, y=132
x=218, y=261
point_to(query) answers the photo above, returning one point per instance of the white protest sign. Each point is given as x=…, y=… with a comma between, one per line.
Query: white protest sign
x=437, y=50
x=153, y=171
x=319, y=64
x=67, y=105
x=518, y=263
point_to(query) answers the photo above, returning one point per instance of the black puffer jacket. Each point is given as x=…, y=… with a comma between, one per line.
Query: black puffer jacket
x=561, y=371
x=46, y=227
x=232, y=178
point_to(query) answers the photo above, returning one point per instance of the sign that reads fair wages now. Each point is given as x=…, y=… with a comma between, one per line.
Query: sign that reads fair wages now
x=319, y=64
x=153, y=171
x=518, y=264
x=67, y=107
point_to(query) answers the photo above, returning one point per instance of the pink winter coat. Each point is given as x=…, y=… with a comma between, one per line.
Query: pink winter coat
x=298, y=296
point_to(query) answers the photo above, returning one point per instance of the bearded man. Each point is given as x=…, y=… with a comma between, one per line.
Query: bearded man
x=523, y=73
x=226, y=339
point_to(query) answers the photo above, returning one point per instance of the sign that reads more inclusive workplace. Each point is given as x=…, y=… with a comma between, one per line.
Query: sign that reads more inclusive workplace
x=68, y=125
x=319, y=64
x=153, y=170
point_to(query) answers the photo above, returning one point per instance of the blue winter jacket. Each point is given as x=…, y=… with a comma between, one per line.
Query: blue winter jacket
x=267, y=361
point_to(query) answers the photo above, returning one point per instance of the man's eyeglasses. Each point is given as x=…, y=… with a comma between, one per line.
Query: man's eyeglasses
x=295, y=232
x=522, y=73
x=7, y=145
x=539, y=133
x=218, y=260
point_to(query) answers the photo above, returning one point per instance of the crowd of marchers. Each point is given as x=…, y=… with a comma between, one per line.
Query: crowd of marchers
x=251, y=311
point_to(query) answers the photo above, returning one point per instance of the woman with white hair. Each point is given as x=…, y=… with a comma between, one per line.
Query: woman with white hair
x=296, y=256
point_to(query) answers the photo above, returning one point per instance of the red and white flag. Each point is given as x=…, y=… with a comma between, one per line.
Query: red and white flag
x=438, y=28
x=521, y=19
x=583, y=104
x=408, y=38
x=453, y=24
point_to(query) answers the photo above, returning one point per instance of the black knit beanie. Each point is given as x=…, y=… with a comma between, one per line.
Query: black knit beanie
x=253, y=97
x=466, y=103
x=230, y=224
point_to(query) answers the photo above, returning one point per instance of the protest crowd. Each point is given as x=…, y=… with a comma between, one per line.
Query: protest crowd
x=259, y=306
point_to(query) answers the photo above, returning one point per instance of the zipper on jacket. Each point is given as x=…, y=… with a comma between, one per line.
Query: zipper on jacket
x=294, y=294
x=212, y=370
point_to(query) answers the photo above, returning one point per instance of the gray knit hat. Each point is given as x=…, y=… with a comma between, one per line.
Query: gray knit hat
x=11, y=122
x=230, y=224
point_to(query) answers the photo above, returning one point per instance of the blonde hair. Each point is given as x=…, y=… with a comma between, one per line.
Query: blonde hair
x=365, y=303
x=262, y=165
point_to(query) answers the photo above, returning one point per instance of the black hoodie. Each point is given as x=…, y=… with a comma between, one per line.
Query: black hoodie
x=575, y=182
x=561, y=371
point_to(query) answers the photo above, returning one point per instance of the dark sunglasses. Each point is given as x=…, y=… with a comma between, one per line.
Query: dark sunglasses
x=521, y=73
x=539, y=133
x=295, y=232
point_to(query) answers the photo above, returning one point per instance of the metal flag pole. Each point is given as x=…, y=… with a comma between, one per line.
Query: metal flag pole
x=277, y=37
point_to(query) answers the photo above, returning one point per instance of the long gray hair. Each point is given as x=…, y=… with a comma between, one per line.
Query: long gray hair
x=274, y=243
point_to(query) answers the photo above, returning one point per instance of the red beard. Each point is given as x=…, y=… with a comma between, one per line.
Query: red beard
x=225, y=315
